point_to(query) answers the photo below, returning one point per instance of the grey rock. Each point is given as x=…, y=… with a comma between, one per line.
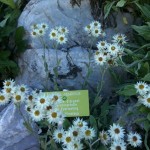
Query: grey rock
x=73, y=55
x=57, y=13
x=126, y=114
x=13, y=134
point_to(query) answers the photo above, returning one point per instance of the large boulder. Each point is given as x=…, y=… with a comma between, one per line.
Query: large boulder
x=13, y=134
x=73, y=55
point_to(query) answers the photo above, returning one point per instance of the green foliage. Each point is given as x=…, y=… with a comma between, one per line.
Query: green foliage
x=11, y=38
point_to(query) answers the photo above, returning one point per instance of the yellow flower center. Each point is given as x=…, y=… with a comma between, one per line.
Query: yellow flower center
x=61, y=38
x=148, y=100
x=113, y=48
x=34, y=33
x=87, y=132
x=53, y=34
x=68, y=139
x=18, y=97
x=95, y=24
x=80, y=124
x=36, y=113
x=42, y=100
x=100, y=59
x=134, y=138
x=2, y=98
x=117, y=131
x=102, y=44
x=63, y=30
x=88, y=26
x=8, y=83
x=97, y=53
x=49, y=107
x=75, y=133
x=105, y=136
x=118, y=148
x=22, y=89
x=96, y=31
x=44, y=26
x=30, y=97
x=141, y=86
x=59, y=135
x=8, y=90
x=54, y=114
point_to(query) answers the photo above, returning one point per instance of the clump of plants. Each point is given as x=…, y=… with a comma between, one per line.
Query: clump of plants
x=11, y=38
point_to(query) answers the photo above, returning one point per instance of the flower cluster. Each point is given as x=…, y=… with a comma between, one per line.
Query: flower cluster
x=143, y=89
x=94, y=29
x=38, y=30
x=59, y=34
x=72, y=138
x=110, y=53
x=39, y=105
x=115, y=138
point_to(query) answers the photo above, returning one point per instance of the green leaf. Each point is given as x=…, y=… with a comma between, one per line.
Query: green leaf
x=144, y=31
x=128, y=90
x=144, y=110
x=107, y=8
x=3, y=23
x=121, y=3
x=146, y=77
x=148, y=116
x=146, y=125
x=4, y=55
x=93, y=122
x=10, y=3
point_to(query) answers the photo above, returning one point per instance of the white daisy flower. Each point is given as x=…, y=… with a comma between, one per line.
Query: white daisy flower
x=75, y=145
x=61, y=39
x=4, y=98
x=116, y=132
x=18, y=97
x=53, y=116
x=95, y=24
x=58, y=135
x=8, y=83
x=42, y=101
x=34, y=33
x=63, y=30
x=118, y=145
x=88, y=28
x=104, y=137
x=55, y=98
x=80, y=123
x=141, y=87
x=53, y=34
x=102, y=45
x=68, y=139
x=34, y=26
x=22, y=88
x=9, y=90
x=134, y=139
x=41, y=32
x=88, y=133
x=146, y=100
x=43, y=26
x=100, y=59
x=113, y=49
x=76, y=132
x=119, y=38
x=36, y=114
x=96, y=32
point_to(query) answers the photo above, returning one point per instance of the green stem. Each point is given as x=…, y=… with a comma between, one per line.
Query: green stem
x=145, y=141
x=100, y=86
x=95, y=142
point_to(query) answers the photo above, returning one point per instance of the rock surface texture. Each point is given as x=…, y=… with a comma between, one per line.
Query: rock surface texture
x=13, y=134
x=73, y=55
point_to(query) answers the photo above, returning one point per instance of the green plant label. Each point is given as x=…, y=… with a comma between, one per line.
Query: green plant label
x=75, y=103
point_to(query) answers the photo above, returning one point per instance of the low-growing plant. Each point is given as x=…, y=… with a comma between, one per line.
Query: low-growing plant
x=11, y=38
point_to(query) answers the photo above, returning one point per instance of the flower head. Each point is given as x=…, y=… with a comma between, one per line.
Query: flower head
x=134, y=139
x=119, y=38
x=118, y=145
x=141, y=87
x=116, y=132
x=89, y=133
x=58, y=135
x=104, y=137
